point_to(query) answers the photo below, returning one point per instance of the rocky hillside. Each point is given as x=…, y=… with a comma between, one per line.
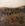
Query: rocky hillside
x=12, y=16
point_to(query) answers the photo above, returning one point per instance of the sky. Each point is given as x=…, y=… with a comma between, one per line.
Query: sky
x=11, y=3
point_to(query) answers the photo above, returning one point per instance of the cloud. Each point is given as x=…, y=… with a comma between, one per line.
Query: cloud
x=11, y=3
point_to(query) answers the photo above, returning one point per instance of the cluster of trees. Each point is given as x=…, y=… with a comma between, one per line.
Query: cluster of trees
x=9, y=11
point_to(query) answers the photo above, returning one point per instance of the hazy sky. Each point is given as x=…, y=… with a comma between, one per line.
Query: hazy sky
x=11, y=3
